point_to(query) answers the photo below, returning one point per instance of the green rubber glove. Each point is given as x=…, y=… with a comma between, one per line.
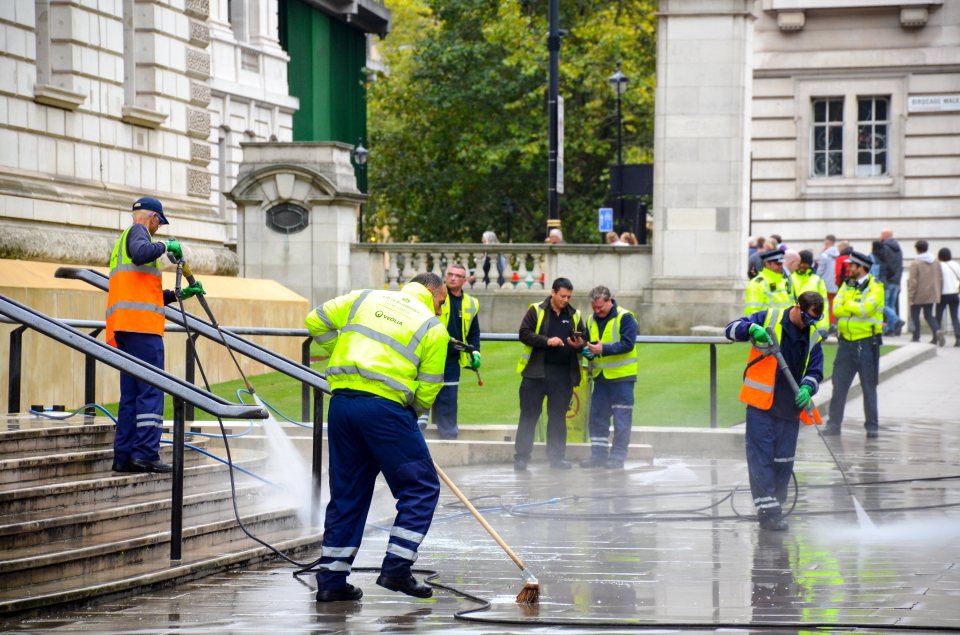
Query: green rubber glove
x=192, y=290
x=803, y=396
x=587, y=353
x=475, y=360
x=173, y=247
x=758, y=334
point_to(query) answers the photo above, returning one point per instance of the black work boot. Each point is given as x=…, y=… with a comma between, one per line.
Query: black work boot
x=408, y=584
x=348, y=593
x=593, y=461
x=773, y=523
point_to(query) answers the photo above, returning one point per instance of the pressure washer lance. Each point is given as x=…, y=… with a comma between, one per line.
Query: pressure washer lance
x=530, y=593
x=463, y=347
x=183, y=269
x=773, y=348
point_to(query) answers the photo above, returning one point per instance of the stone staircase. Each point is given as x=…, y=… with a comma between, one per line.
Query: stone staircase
x=71, y=529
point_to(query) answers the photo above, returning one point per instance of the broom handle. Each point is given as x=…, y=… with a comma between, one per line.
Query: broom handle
x=483, y=521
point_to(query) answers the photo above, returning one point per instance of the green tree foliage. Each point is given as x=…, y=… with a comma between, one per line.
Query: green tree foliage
x=458, y=124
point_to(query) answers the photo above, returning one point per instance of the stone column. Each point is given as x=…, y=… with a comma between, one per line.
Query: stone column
x=701, y=148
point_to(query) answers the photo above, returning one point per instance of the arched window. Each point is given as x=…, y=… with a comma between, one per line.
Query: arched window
x=287, y=218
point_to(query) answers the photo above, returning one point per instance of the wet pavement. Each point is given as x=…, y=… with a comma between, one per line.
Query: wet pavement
x=667, y=546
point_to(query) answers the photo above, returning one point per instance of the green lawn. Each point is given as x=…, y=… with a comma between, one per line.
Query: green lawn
x=673, y=387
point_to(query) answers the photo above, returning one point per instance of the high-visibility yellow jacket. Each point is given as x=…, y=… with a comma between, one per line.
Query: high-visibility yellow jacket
x=612, y=366
x=387, y=343
x=468, y=312
x=859, y=309
x=809, y=281
x=135, y=297
x=768, y=290
x=760, y=376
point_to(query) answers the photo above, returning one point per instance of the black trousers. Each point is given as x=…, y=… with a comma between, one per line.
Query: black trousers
x=951, y=302
x=558, y=389
x=932, y=322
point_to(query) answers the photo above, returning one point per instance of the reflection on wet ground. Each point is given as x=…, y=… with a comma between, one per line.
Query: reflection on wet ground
x=665, y=546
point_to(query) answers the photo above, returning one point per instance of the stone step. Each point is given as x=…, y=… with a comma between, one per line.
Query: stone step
x=50, y=562
x=115, y=488
x=61, y=466
x=24, y=531
x=55, y=440
x=155, y=569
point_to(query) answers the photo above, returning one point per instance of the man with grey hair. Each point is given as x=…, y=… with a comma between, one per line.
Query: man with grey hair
x=612, y=350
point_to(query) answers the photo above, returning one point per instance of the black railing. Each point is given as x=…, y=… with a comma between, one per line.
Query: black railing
x=182, y=392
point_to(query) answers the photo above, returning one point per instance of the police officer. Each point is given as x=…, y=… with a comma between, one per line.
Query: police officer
x=773, y=410
x=612, y=350
x=135, y=325
x=387, y=352
x=460, y=316
x=858, y=308
x=769, y=289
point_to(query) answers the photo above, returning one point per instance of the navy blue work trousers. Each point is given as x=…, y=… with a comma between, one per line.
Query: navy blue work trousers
x=444, y=411
x=860, y=357
x=140, y=416
x=611, y=400
x=771, y=445
x=368, y=435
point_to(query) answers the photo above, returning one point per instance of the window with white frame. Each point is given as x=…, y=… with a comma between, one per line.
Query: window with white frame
x=827, y=137
x=872, y=131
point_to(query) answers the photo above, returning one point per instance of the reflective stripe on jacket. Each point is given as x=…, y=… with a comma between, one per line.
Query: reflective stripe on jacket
x=469, y=309
x=527, y=350
x=812, y=282
x=768, y=290
x=859, y=309
x=612, y=366
x=387, y=343
x=760, y=376
x=135, y=297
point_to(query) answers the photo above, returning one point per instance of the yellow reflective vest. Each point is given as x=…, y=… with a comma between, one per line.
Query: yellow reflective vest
x=612, y=366
x=809, y=281
x=469, y=309
x=768, y=290
x=859, y=309
x=387, y=343
x=528, y=350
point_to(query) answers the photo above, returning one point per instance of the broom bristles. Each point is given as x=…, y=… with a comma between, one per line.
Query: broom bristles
x=529, y=594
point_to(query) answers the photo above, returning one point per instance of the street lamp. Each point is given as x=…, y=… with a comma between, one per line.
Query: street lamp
x=359, y=156
x=618, y=82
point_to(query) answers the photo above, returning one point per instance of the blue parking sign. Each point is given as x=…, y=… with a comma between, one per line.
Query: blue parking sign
x=606, y=219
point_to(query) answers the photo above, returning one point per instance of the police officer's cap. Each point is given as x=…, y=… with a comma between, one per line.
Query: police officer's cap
x=858, y=258
x=151, y=205
x=774, y=255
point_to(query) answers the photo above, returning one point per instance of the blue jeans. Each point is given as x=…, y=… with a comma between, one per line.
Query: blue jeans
x=891, y=293
x=616, y=400
x=771, y=444
x=369, y=435
x=860, y=357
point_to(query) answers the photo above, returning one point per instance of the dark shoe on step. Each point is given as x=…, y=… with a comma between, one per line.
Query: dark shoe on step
x=776, y=523
x=898, y=328
x=157, y=467
x=408, y=585
x=519, y=465
x=614, y=464
x=560, y=464
x=830, y=431
x=348, y=593
x=593, y=461
x=123, y=467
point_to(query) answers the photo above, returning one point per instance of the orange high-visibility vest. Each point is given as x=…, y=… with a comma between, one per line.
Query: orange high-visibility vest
x=135, y=298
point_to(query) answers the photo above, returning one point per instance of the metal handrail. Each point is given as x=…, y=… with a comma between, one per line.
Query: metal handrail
x=181, y=391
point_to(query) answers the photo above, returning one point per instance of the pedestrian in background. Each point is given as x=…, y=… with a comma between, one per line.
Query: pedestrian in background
x=923, y=291
x=891, y=272
x=826, y=269
x=490, y=238
x=804, y=279
x=950, y=293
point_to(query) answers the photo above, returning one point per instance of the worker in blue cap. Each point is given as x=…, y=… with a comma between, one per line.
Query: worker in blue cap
x=135, y=325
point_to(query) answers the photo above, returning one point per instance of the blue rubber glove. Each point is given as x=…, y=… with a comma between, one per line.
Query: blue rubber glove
x=475, y=360
x=803, y=396
x=173, y=247
x=586, y=353
x=758, y=334
x=192, y=290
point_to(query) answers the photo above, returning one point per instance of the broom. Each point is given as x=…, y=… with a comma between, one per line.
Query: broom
x=530, y=593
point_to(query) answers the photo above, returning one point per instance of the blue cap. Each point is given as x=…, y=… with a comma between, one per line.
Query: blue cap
x=153, y=205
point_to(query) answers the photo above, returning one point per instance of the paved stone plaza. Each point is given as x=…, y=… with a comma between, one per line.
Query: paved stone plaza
x=660, y=546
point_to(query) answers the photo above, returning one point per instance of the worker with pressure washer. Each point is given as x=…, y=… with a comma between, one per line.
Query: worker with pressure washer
x=135, y=325
x=611, y=349
x=460, y=316
x=769, y=289
x=858, y=308
x=774, y=409
x=387, y=353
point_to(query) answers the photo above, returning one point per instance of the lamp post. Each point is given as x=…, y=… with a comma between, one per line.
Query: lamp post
x=359, y=156
x=618, y=81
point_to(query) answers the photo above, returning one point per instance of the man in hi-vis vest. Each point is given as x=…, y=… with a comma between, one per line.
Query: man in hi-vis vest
x=387, y=352
x=135, y=322
x=612, y=350
x=773, y=411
